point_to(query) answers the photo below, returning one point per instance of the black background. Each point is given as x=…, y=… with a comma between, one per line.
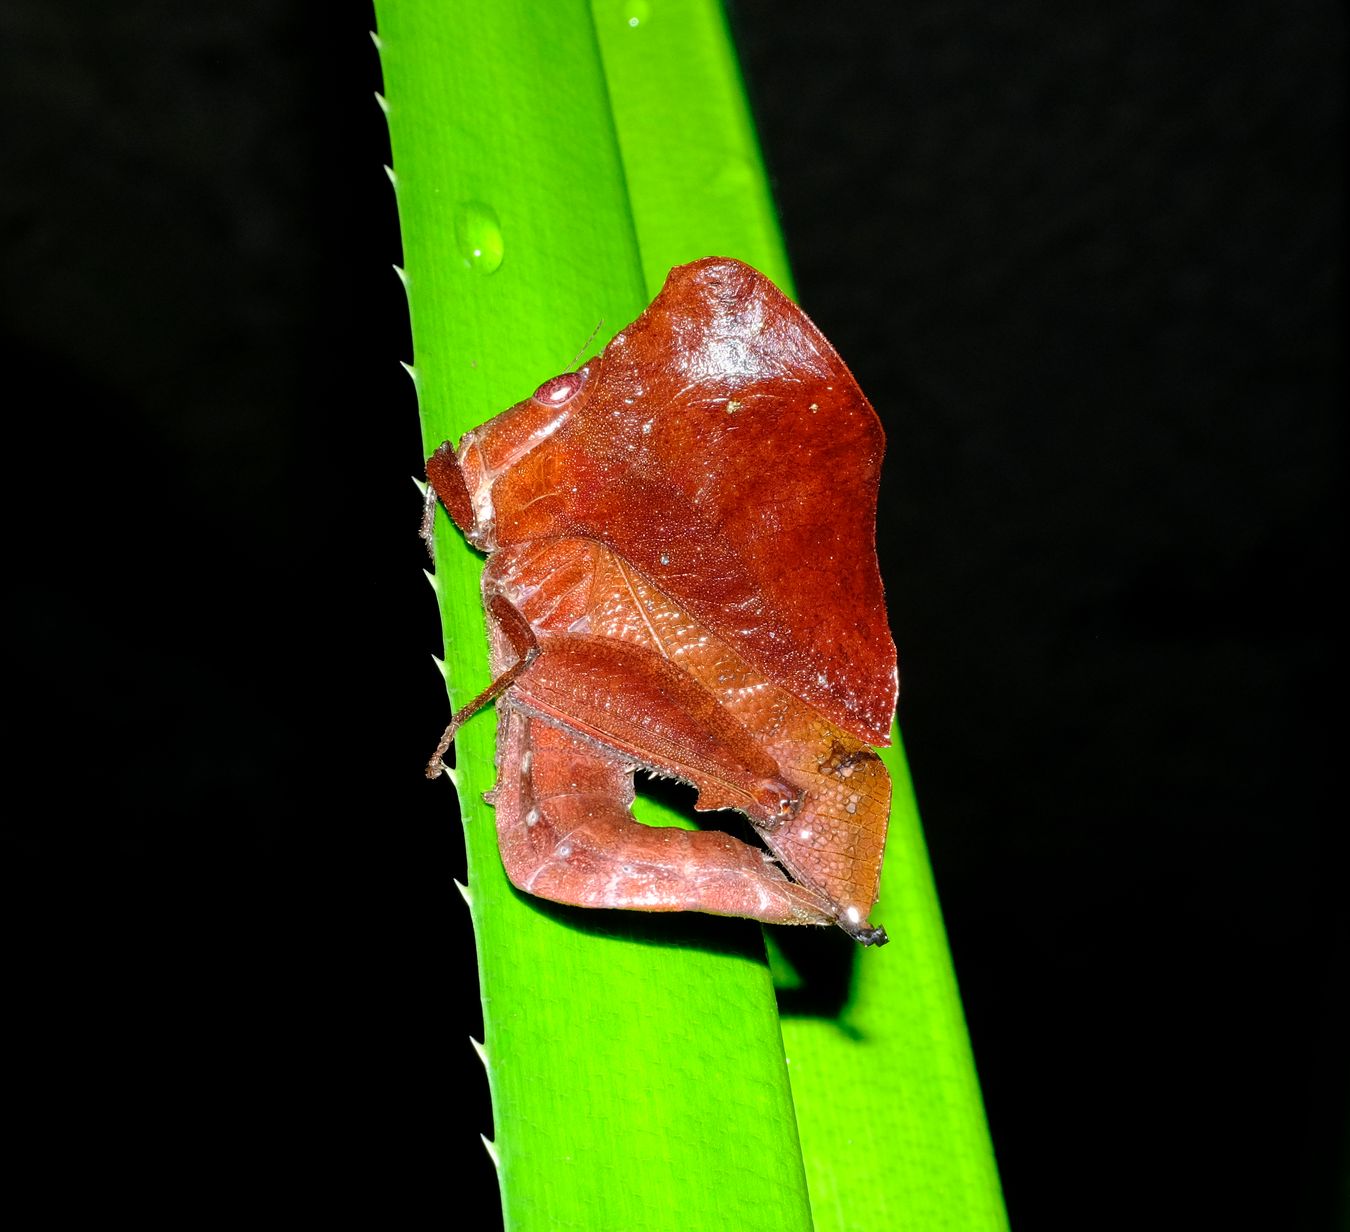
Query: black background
x=1087, y=263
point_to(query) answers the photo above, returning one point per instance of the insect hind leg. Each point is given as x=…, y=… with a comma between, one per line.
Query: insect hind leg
x=566, y=833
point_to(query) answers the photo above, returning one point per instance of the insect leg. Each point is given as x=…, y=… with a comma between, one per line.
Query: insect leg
x=566, y=834
x=516, y=630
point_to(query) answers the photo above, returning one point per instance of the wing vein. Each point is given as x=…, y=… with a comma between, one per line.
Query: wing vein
x=637, y=603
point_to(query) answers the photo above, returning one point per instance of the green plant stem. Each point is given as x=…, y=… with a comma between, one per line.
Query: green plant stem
x=553, y=161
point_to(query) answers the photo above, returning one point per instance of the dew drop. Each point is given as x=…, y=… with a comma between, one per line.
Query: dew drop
x=478, y=236
x=635, y=12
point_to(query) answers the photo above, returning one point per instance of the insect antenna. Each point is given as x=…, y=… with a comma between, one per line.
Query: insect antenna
x=586, y=346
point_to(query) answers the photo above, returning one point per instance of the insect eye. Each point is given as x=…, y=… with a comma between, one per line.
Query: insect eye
x=561, y=389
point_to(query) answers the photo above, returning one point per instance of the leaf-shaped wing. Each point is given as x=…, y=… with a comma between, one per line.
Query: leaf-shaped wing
x=721, y=446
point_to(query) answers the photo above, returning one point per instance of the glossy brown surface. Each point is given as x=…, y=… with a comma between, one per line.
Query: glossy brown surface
x=684, y=578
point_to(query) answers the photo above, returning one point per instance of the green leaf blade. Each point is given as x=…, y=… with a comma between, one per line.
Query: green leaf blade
x=553, y=163
x=635, y=1062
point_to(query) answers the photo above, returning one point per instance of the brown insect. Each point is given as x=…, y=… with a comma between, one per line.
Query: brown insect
x=682, y=576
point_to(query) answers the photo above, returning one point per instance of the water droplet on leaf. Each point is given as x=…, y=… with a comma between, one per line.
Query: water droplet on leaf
x=478, y=236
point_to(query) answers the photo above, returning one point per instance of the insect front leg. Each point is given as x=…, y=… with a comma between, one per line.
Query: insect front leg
x=446, y=483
